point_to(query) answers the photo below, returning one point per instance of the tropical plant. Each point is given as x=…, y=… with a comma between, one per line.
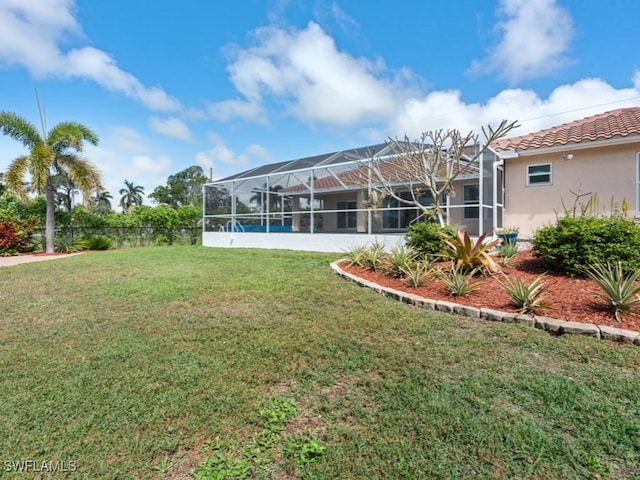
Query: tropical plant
x=99, y=243
x=460, y=282
x=356, y=255
x=102, y=202
x=470, y=255
x=67, y=244
x=620, y=290
x=50, y=153
x=131, y=195
x=507, y=229
x=417, y=273
x=507, y=252
x=14, y=236
x=527, y=298
x=399, y=258
x=374, y=255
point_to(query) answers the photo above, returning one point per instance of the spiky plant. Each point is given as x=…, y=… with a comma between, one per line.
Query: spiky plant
x=417, y=273
x=469, y=255
x=620, y=289
x=399, y=258
x=526, y=297
x=460, y=282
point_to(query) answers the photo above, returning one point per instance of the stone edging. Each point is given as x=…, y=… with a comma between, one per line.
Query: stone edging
x=551, y=325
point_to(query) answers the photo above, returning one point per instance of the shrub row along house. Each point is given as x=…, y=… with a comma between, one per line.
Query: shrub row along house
x=334, y=201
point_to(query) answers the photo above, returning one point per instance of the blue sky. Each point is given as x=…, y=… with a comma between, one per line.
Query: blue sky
x=232, y=85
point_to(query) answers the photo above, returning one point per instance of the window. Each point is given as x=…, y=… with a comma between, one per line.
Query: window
x=539, y=174
x=471, y=195
x=399, y=215
x=347, y=219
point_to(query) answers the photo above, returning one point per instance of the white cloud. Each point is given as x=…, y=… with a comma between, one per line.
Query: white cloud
x=155, y=165
x=636, y=80
x=127, y=139
x=304, y=69
x=226, y=110
x=230, y=160
x=446, y=109
x=535, y=38
x=171, y=127
x=30, y=33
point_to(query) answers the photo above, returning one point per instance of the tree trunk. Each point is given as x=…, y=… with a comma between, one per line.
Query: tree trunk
x=50, y=228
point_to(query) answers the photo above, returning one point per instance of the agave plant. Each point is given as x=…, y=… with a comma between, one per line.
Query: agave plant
x=417, y=273
x=620, y=290
x=356, y=255
x=398, y=259
x=460, y=282
x=469, y=255
x=527, y=298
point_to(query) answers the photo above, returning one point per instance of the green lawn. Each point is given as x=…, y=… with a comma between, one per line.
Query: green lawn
x=141, y=363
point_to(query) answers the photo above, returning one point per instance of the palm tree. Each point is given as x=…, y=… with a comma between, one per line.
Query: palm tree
x=102, y=202
x=131, y=195
x=50, y=153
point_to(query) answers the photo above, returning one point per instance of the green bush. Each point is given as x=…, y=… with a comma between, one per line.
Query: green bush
x=574, y=244
x=99, y=243
x=425, y=238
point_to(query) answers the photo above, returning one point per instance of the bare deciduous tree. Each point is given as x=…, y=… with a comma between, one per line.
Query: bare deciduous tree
x=429, y=165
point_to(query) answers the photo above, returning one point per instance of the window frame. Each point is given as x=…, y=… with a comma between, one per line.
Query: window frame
x=538, y=174
x=346, y=212
x=474, y=204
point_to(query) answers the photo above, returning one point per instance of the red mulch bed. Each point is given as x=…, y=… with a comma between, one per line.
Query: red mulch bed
x=570, y=298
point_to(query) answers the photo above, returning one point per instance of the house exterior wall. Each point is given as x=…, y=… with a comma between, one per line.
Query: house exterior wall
x=609, y=172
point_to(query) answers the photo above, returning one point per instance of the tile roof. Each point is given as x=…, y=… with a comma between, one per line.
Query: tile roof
x=619, y=123
x=393, y=170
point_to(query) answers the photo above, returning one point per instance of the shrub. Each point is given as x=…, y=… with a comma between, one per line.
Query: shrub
x=425, y=238
x=14, y=236
x=99, y=243
x=620, y=290
x=573, y=244
x=66, y=244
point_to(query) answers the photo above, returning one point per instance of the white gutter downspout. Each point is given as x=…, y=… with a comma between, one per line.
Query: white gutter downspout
x=496, y=164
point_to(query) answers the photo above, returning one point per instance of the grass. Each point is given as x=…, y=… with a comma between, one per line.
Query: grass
x=138, y=363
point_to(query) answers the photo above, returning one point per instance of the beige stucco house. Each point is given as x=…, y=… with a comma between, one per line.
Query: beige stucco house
x=546, y=171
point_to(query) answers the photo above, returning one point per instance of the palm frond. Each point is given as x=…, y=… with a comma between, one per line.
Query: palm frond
x=70, y=136
x=14, y=176
x=83, y=173
x=20, y=129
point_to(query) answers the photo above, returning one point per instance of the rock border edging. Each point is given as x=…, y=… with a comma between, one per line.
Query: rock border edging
x=551, y=325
